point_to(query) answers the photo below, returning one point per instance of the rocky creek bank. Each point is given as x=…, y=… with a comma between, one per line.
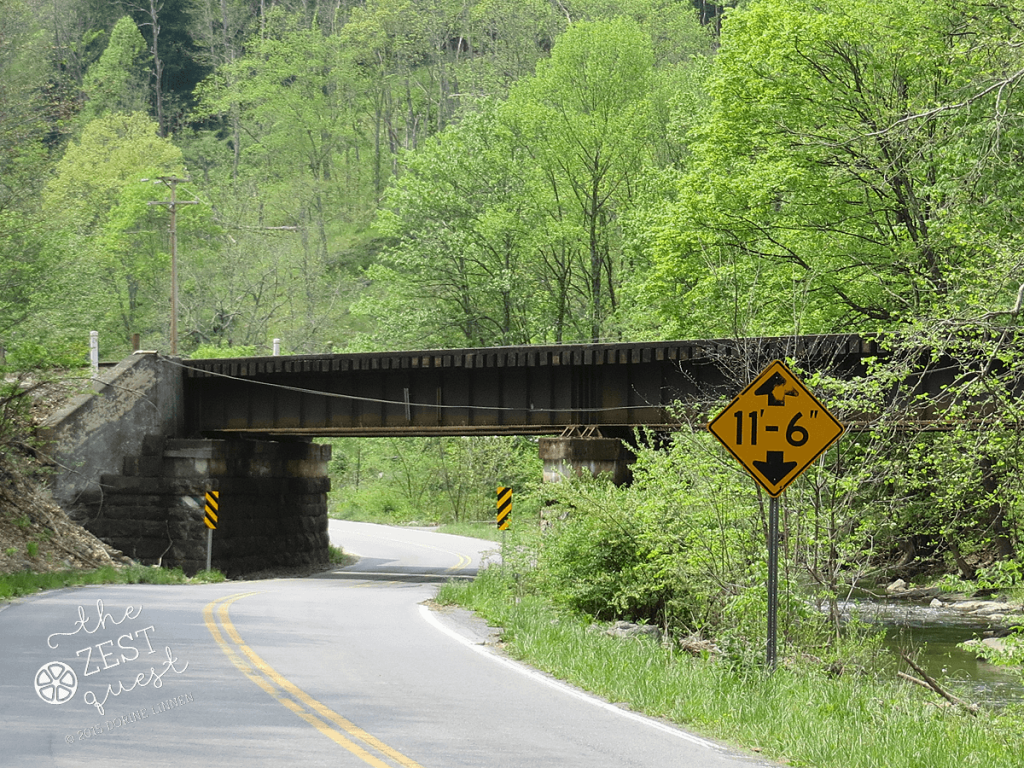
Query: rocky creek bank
x=1000, y=613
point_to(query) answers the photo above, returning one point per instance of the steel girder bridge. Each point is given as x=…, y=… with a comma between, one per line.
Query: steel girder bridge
x=603, y=389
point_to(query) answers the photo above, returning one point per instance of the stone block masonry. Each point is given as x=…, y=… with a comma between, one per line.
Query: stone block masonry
x=94, y=432
x=273, y=504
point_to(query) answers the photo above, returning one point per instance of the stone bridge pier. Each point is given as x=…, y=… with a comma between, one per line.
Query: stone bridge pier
x=272, y=504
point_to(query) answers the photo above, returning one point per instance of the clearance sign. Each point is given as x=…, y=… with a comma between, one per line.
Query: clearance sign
x=775, y=428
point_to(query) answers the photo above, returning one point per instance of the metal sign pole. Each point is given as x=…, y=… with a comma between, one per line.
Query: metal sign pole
x=773, y=578
x=209, y=547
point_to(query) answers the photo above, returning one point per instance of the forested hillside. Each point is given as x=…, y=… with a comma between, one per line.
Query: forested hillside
x=399, y=173
x=396, y=174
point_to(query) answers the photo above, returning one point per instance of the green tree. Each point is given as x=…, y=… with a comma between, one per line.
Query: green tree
x=109, y=241
x=302, y=168
x=845, y=170
x=219, y=31
x=386, y=45
x=460, y=269
x=118, y=82
x=165, y=25
x=438, y=480
x=586, y=120
x=504, y=228
x=504, y=40
x=25, y=122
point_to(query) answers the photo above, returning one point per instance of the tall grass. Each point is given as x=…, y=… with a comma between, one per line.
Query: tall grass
x=799, y=713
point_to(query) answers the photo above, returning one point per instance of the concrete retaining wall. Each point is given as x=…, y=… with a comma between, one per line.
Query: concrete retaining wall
x=273, y=504
x=95, y=432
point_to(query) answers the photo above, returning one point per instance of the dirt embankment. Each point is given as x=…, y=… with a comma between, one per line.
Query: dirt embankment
x=35, y=533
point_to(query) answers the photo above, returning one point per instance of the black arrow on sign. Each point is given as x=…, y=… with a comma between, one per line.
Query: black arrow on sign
x=773, y=382
x=774, y=467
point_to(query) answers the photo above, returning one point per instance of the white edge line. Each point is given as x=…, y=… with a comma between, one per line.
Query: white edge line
x=430, y=618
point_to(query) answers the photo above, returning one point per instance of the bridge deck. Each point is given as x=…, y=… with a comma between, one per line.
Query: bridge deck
x=506, y=390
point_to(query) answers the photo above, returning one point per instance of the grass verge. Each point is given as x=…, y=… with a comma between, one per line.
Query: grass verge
x=799, y=715
x=29, y=582
x=475, y=530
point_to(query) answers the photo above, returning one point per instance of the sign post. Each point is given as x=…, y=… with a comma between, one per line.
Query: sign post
x=775, y=428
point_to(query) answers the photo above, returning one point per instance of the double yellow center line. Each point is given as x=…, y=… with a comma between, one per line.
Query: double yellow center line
x=327, y=721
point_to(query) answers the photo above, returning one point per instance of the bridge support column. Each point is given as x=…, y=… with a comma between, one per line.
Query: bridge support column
x=272, y=505
x=568, y=455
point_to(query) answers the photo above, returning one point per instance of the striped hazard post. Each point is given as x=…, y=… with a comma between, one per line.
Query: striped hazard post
x=504, y=507
x=210, y=510
x=210, y=518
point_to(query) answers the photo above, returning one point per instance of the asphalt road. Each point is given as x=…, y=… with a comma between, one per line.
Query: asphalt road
x=347, y=668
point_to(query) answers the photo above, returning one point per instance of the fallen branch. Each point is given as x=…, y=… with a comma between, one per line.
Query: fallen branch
x=929, y=682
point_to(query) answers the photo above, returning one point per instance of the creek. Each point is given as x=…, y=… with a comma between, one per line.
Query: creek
x=934, y=634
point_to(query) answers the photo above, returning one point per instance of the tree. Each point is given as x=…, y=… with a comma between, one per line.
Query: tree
x=117, y=82
x=304, y=165
x=504, y=40
x=459, y=220
x=25, y=122
x=586, y=120
x=504, y=228
x=219, y=30
x=108, y=239
x=386, y=45
x=176, y=71
x=846, y=170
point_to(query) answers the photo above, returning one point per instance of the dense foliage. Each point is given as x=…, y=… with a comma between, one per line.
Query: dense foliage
x=373, y=174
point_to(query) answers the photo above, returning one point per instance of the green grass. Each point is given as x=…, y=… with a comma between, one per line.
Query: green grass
x=798, y=714
x=337, y=556
x=29, y=582
x=476, y=530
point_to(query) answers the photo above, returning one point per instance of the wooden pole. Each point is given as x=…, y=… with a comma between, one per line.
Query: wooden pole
x=172, y=205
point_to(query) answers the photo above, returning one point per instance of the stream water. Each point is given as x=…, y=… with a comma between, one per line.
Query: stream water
x=934, y=634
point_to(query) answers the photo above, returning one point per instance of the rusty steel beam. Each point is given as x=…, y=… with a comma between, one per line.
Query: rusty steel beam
x=508, y=390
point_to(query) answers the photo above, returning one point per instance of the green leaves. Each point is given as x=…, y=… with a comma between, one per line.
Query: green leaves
x=118, y=81
x=586, y=119
x=834, y=153
x=103, y=226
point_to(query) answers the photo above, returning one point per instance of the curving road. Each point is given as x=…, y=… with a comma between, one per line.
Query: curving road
x=346, y=668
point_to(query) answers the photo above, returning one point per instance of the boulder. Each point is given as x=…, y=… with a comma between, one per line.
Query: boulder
x=896, y=587
x=628, y=629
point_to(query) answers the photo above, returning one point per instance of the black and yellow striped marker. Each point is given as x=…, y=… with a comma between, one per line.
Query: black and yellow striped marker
x=504, y=507
x=210, y=510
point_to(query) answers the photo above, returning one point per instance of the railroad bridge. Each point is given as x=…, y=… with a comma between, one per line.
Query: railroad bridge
x=158, y=432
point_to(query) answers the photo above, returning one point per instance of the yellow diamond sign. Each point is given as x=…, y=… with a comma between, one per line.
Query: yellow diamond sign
x=775, y=428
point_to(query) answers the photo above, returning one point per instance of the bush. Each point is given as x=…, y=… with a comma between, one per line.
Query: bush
x=671, y=549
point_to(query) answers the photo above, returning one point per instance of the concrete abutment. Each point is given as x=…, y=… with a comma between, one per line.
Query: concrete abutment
x=124, y=471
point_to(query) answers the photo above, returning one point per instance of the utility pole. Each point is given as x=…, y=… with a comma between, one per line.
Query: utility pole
x=172, y=206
